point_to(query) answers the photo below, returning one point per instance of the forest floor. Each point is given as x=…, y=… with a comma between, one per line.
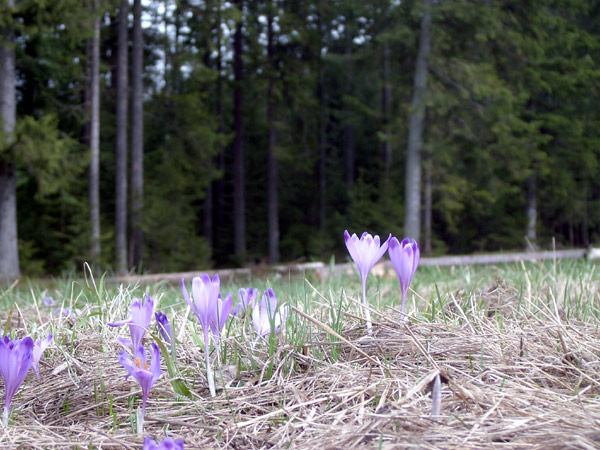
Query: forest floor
x=517, y=348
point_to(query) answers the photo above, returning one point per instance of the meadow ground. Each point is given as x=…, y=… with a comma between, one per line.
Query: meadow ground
x=516, y=346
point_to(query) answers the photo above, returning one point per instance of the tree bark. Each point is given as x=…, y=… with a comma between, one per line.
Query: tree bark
x=428, y=204
x=412, y=219
x=348, y=131
x=137, y=138
x=385, y=112
x=321, y=163
x=218, y=185
x=273, y=212
x=94, y=140
x=239, y=220
x=531, y=210
x=121, y=142
x=9, y=250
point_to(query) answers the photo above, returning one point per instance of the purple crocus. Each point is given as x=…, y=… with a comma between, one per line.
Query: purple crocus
x=167, y=444
x=16, y=357
x=48, y=301
x=221, y=315
x=163, y=326
x=247, y=298
x=405, y=257
x=138, y=320
x=38, y=350
x=139, y=369
x=205, y=293
x=365, y=252
x=204, y=303
x=265, y=314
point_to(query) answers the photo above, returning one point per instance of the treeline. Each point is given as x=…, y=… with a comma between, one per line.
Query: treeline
x=173, y=134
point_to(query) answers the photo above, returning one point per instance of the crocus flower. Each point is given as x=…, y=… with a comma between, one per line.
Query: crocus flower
x=405, y=259
x=265, y=314
x=16, y=357
x=247, y=297
x=204, y=303
x=66, y=312
x=163, y=326
x=221, y=315
x=38, y=350
x=167, y=444
x=138, y=320
x=48, y=301
x=139, y=369
x=205, y=293
x=365, y=252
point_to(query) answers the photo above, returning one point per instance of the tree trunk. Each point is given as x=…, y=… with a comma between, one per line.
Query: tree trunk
x=385, y=112
x=412, y=219
x=349, y=152
x=348, y=131
x=218, y=185
x=239, y=220
x=94, y=140
x=137, y=138
x=9, y=250
x=121, y=143
x=273, y=213
x=321, y=163
x=428, y=204
x=531, y=210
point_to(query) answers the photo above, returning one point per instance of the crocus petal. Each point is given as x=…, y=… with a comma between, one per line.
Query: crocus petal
x=139, y=369
x=163, y=326
x=155, y=363
x=120, y=323
x=15, y=360
x=126, y=342
x=265, y=313
x=38, y=349
x=167, y=444
x=247, y=297
x=126, y=362
x=405, y=257
x=365, y=252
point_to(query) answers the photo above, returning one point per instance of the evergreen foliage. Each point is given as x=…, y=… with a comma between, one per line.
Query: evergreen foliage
x=511, y=97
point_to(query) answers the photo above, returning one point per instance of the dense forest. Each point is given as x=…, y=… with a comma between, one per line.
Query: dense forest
x=168, y=135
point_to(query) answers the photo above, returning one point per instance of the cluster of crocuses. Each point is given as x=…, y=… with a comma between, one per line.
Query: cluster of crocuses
x=212, y=312
x=17, y=356
x=367, y=250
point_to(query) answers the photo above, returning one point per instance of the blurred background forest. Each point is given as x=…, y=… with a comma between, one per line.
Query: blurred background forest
x=168, y=135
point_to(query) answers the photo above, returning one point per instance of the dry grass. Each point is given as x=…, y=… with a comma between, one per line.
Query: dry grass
x=514, y=376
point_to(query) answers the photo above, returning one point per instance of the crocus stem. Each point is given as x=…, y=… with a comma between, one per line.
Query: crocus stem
x=209, y=372
x=5, y=415
x=366, y=307
x=140, y=417
x=402, y=315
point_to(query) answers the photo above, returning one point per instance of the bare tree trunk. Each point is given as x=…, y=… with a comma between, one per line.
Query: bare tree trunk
x=321, y=163
x=273, y=212
x=94, y=140
x=349, y=157
x=531, y=210
x=239, y=220
x=428, y=204
x=385, y=112
x=121, y=142
x=9, y=250
x=412, y=217
x=217, y=202
x=348, y=131
x=137, y=138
